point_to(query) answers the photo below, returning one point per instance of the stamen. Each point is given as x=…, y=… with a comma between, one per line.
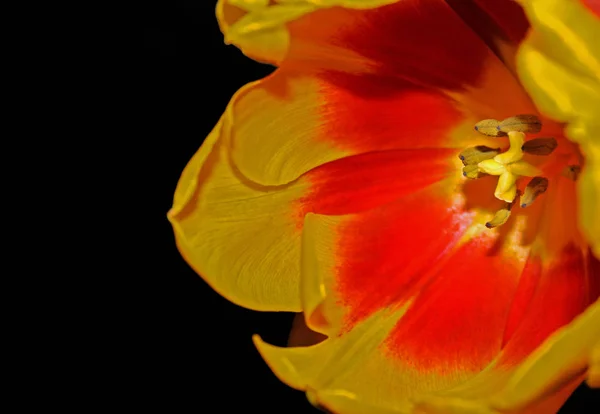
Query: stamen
x=473, y=172
x=509, y=167
x=536, y=187
x=474, y=155
x=572, y=172
x=499, y=219
x=507, y=187
x=540, y=146
x=489, y=127
x=502, y=215
x=521, y=123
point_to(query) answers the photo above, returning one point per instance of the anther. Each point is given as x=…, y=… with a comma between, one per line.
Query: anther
x=501, y=216
x=474, y=155
x=572, y=172
x=521, y=123
x=540, y=146
x=536, y=187
x=499, y=219
x=489, y=127
x=472, y=171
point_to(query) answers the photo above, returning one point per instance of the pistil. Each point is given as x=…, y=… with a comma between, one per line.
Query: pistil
x=509, y=166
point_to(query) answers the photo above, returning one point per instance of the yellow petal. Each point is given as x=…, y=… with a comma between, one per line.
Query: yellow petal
x=559, y=65
x=318, y=252
x=593, y=379
x=569, y=32
x=241, y=238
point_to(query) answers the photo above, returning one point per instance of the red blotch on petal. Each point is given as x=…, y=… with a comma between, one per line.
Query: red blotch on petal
x=368, y=113
x=593, y=6
x=384, y=254
x=457, y=321
x=365, y=181
x=528, y=284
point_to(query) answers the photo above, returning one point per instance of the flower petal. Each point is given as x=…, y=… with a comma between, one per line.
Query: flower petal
x=544, y=361
x=355, y=35
x=288, y=124
x=559, y=361
x=307, y=114
x=244, y=239
x=259, y=27
x=594, y=369
x=559, y=65
x=416, y=317
x=360, y=272
x=501, y=24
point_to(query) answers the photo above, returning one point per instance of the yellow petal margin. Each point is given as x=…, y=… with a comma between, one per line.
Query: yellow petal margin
x=335, y=373
x=242, y=238
x=258, y=27
x=559, y=65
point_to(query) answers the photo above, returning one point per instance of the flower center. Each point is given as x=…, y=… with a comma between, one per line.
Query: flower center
x=509, y=165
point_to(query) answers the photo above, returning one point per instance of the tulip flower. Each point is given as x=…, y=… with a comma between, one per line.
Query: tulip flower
x=419, y=180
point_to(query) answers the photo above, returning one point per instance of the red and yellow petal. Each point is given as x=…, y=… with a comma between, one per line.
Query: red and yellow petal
x=439, y=348
x=307, y=114
x=291, y=122
x=427, y=311
x=244, y=238
x=355, y=36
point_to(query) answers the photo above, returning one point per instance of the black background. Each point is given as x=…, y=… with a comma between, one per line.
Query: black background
x=197, y=346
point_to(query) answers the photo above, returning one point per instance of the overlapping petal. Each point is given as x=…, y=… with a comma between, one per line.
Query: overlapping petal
x=559, y=65
x=447, y=329
x=244, y=238
x=347, y=86
x=241, y=238
x=406, y=335
x=301, y=121
x=329, y=188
